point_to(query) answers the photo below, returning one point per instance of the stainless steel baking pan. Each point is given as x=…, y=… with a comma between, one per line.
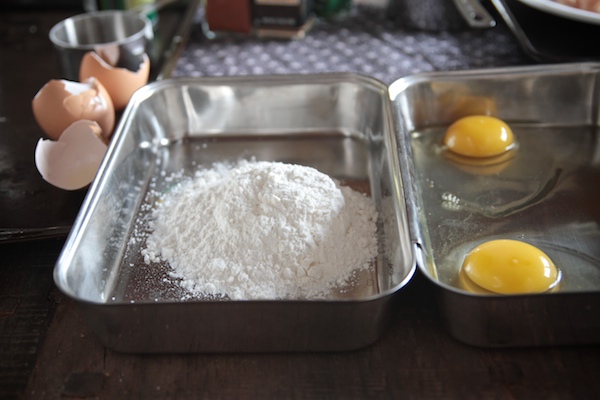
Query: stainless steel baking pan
x=340, y=124
x=548, y=195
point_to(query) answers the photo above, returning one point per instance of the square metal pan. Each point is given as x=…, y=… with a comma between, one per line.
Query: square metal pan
x=340, y=124
x=547, y=195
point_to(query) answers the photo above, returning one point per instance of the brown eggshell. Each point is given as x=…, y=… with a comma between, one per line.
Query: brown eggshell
x=60, y=103
x=73, y=160
x=120, y=83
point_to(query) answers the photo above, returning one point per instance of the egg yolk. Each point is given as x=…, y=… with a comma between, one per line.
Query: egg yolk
x=479, y=136
x=510, y=267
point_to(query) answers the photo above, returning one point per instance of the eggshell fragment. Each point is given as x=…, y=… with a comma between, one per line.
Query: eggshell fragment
x=59, y=103
x=72, y=162
x=120, y=83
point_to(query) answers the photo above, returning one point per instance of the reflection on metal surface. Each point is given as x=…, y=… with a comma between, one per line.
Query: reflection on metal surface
x=541, y=195
x=339, y=124
x=489, y=205
x=475, y=14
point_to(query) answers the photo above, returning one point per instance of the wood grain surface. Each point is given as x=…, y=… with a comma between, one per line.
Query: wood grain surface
x=48, y=352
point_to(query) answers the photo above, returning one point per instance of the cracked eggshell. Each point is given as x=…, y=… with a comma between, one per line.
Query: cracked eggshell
x=73, y=160
x=60, y=102
x=120, y=83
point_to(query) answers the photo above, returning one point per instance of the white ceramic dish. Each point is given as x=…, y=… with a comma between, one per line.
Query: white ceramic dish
x=561, y=10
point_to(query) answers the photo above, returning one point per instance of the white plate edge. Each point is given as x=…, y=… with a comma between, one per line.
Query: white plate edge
x=565, y=11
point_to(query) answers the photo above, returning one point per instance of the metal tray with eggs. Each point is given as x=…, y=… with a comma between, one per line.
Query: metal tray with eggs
x=543, y=191
x=435, y=206
x=339, y=124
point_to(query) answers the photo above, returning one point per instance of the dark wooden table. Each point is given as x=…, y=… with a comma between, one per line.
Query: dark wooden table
x=48, y=352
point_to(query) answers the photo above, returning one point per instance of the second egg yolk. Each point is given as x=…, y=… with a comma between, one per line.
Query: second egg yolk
x=479, y=136
x=510, y=267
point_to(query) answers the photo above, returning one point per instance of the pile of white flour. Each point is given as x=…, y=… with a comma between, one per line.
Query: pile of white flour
x=262, y=230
